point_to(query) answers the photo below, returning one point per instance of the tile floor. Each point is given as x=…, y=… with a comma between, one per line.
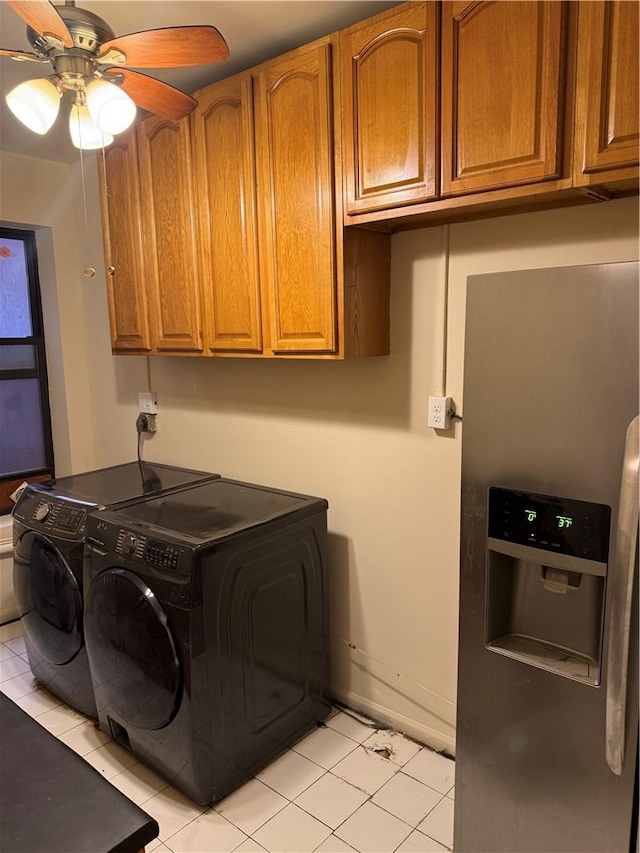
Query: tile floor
x=346, y=786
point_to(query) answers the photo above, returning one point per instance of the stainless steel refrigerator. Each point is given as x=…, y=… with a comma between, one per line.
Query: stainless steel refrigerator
x=547, y=728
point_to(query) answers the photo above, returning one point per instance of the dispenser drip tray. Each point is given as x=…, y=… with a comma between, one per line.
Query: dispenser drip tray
x=548, y=656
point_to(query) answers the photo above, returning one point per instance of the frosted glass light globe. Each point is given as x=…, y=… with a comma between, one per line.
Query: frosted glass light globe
x=85, y=133
x=109, y=106
x=35, y=103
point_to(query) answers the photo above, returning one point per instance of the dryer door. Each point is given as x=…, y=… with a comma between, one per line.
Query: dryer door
x=49, y=598
x=133, y=656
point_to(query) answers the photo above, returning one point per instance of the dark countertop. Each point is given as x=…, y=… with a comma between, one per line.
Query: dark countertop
x=52, y=800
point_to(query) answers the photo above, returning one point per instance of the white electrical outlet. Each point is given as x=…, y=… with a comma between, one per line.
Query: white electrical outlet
x=148, y=402
x=440, y=410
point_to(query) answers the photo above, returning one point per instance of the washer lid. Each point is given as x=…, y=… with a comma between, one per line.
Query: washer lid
x=108, y=486
x=214, y=510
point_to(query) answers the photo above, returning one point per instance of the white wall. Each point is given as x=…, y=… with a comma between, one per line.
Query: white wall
x=352, y=432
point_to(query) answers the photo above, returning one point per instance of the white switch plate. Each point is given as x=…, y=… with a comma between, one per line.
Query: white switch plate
x=148, y=402
x=439, y=412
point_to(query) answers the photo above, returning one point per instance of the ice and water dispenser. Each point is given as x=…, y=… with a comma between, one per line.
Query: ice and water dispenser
x=546, y=576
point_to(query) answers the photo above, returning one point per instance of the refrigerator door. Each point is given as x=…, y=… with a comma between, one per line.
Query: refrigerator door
x=551, y=386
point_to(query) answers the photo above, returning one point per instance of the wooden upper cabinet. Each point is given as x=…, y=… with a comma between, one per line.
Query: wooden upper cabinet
x=294, y=134
x=607, y=136
x=389, y=68
x=123, y=250
x=502, y=93
x=171, y=267
x=225, y=189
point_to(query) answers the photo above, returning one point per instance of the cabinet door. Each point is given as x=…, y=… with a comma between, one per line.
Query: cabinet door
x=389, y=68
x=123, y=250
x=294, y=133
x=225, y=188
x=168, y=216
x=607, y=91
x=502, y=83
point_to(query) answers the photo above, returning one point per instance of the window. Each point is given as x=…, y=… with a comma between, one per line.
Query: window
x=26, y=448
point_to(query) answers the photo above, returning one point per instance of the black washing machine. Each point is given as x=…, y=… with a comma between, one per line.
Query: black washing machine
x=206, y=629
x=49, y=522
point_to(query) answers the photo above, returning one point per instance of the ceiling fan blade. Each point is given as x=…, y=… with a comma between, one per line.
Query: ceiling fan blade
x=154, y=95
x=42, y=17
x=170, y=47
x=21, y=56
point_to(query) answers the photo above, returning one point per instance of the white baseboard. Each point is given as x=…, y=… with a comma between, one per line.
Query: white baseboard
x=408, y=726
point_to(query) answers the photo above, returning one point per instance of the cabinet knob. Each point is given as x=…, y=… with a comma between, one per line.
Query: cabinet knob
x=111, y=270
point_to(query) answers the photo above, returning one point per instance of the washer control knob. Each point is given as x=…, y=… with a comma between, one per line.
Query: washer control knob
x=43, y=512
x=129, y=543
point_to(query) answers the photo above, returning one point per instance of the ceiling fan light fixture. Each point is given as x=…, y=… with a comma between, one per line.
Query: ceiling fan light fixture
x=35, y=103
x=109, y=106
x=85, y=133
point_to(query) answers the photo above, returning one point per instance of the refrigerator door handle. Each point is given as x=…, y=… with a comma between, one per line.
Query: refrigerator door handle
x=621, y=592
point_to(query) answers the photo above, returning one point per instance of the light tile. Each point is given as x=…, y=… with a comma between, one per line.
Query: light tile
x=392, y=746
x=158, y=846
x=331, y=800
x=365, y=770
x=250, y=846
x=292, y=831
x=10, y=631
x=84, y=738
x=452, y=793
x=250, y=806
x=372, y=830
x=6, y=653
x=325, y=746
x=19, y=686
x=173, y=811
x=60, y=719
x=139, y=783
x=13, y=666
x=433, y=769
x=438, y=823
x=407, y=798
x=110, y=759
x=38, y=702
x=17, y=645
x=290, y=774
x=210, y=832
x=349, y=726
x=419, y=843
x=333, y=844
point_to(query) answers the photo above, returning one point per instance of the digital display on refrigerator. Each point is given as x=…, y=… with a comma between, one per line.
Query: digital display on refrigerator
x=576, y=528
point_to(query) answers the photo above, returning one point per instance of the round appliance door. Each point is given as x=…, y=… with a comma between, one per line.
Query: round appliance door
x=49, y=597
x=133, y=656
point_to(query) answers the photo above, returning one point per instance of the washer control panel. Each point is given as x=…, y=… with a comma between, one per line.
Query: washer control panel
x=59, y=516
x=130, y=544
x=161, y=555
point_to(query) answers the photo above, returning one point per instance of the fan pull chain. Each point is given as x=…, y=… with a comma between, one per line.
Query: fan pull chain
x=107, y=221
x=89, y=271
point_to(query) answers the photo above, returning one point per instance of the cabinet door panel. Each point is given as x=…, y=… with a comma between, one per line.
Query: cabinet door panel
x=502, y=77
x=224, y=145
x=389, y=81
x=296, y=192
x=123, y=246
x=607, y=118
x=168, y=216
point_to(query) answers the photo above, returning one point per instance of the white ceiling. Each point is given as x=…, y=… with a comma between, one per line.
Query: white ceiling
x=255, y=30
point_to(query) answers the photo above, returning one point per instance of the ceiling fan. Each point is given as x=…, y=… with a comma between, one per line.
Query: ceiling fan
x=89, y=60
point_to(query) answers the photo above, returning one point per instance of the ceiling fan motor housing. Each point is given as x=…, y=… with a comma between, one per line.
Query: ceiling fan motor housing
x=88, y=32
